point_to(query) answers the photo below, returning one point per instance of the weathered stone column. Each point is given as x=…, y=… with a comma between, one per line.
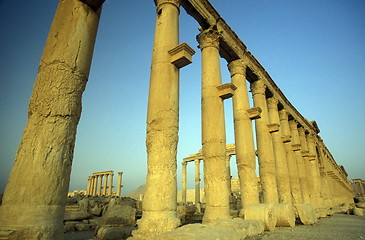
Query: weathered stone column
x=197, y=185
x=105, y=183
x=313, y=165
x=307, y=181
x=245, y=148
x=119, y=183
x=183, y=191
x=213, y=130
x=297, y=148
x=264, y=145
x=100, y=185
x=95, y=183
x=44, y=156
x=88, y=185
x=292, y=164
x=159, y=203
x=110, y=190
x=282, y=172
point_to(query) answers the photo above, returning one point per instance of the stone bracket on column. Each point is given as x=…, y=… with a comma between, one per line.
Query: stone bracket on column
x=94, y=4
x=286, y=139
x=254, y=113
x=296, y=147
x=181, y=55
x=305, y=153
x=226, y=90
x=273, y=127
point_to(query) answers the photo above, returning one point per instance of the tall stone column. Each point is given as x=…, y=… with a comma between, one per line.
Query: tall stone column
x=110, y=192
x=213, y=130
x=119, y=183
x=307, y=181
x=183, y=191
x=88, y=185
x=282, y=172
x=159, y=203
x=197, y=185
x=292, y=163
x=264, y=145
x=297, y=148
x=245, y=147
x=313, y=165
x=105, y=184
x=95, y=185
x=44, y=157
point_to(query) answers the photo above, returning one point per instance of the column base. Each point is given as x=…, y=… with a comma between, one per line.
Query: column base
x=213, y=213
x=154, y=223
x=31, y=222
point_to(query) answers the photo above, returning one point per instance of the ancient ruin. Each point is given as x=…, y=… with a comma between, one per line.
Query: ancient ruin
x=298, y=176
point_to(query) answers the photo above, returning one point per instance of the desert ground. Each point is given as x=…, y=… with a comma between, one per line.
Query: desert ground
x=336, y=227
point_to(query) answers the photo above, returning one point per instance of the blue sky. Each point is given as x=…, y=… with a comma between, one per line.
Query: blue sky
x=314, y=51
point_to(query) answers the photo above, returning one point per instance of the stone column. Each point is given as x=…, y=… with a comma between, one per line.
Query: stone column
x=110, y=193
x=245, y=148
x=264, y=145
x=197, y=185
x=213, y=130
x=313, y=165
x=228, y=166
x=307, y=181
x=119, y=184
x=159, y=203
x=88, y=185
x=292, y=164
x=44, y=157
x=282, y=172
x=95, y=185
x=183, y=191
x=298, y=156
x=100, y=184
x=105, y=184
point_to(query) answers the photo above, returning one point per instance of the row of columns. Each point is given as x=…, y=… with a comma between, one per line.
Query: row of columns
x=359, y=187
x=101, y=184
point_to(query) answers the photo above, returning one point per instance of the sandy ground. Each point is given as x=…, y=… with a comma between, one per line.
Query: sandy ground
x=337, y=227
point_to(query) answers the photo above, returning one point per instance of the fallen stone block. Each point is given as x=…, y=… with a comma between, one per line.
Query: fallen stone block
x=76, y=216
x=82, y=226
x=306, y=213
x=120, y=215
x=69, y=226
x=114, y=233
x=264, y=212
x=285, y=215
x=358, y=211
x=360, y=204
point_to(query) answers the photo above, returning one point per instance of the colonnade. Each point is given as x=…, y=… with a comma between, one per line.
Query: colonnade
x=359, y=187
x=283, y=136
x=101, y=184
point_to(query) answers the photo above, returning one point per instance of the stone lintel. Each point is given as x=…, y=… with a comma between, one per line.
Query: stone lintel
x=181, y=55
x=226, y=90
x=296, y=147
x=273, y=127
x=94, y=4
x=311, y=157
x=254, y=113
x=286, y=139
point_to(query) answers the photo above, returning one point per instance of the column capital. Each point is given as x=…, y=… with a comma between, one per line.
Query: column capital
x=208, y=38
x=238, y=67
x=159, y=3
x=258, y=87
x=184, y=163
x=283, y=114
x=293, y=124
x=272, y=103
x=197, y=161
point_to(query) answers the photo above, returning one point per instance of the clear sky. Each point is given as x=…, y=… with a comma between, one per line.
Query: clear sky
x=314, y=50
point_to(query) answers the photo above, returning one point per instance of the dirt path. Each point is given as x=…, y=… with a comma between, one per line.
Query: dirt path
x=337, y=227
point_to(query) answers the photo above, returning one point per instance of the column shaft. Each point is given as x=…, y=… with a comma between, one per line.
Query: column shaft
x=197, y=185
x=183, y=191
x=282, y=172
x=213, y=130
x=160, y=200
x=105, y=183
x=306, y=180
x=119, y=184
x=264, y=145
x=53, y=114
x=292, y=164
x=110, y=192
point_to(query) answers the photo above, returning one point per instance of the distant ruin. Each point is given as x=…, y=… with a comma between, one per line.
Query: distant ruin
x=299, y=177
